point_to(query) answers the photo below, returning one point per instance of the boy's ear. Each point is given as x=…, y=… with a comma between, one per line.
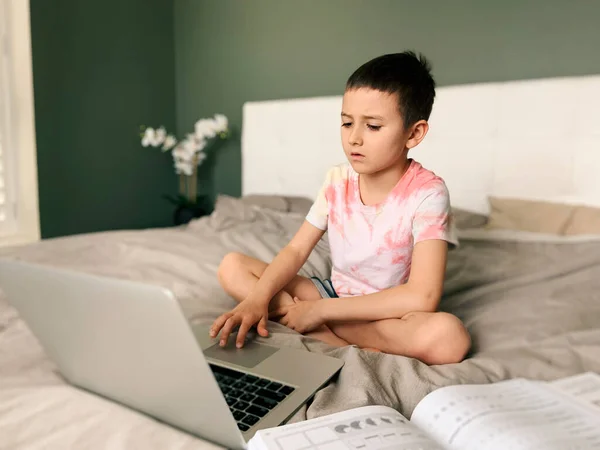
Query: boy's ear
x=417, y=133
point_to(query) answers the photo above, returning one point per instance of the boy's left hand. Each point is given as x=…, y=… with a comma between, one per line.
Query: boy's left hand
x=302, y=316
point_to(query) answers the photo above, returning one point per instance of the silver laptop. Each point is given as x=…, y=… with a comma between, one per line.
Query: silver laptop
x=130, y=342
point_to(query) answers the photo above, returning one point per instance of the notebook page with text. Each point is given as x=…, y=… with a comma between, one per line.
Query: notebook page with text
x=509, y=415
x=584, y=387
x=365, y=428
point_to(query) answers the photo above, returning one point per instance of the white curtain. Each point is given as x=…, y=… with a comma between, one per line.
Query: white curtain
x=19, y=212
x=7, y=149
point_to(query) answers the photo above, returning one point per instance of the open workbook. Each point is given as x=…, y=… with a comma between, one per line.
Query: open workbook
x=510, y=415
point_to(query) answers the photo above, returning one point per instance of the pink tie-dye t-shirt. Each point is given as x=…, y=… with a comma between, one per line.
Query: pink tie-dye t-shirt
x=371, y=246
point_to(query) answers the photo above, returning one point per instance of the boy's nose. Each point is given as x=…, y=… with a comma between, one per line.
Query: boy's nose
x=355, y=137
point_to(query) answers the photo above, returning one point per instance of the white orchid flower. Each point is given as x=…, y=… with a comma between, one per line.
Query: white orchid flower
x=189, y=145
x=169, y=143
x=221, y=123
x=179, y=153
x=199, y=128
x=184, y=167
x=211, y=127
x=205, y=129
x=190, y=150
x=185, y=150
x=199, y=143
x=200, y=157
x=148, y=138
x=176, y=165
x=159, y=136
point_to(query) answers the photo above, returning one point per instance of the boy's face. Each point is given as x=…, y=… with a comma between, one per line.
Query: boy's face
x=373, y=133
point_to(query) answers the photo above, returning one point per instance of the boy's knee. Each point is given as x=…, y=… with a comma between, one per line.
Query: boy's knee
x=231, y=264
x=443, y=339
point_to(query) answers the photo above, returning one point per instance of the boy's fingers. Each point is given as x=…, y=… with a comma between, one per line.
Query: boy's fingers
x=218, y=324
x=262, y=327
x=226, y=331
x=242, y=332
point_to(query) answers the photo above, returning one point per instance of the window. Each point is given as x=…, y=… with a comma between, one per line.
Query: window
x=19, y=221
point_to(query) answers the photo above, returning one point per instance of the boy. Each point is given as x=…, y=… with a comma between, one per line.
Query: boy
x=388, y=221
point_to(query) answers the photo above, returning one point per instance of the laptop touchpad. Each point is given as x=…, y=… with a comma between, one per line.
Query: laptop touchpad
x=248, y=356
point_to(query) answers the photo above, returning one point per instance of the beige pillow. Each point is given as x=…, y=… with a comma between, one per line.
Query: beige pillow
x=585, y=220
x=529, y=215
x=543, y=217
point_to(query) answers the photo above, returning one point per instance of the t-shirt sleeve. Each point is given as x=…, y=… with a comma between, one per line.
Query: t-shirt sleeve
x=433, y=217
x=318, y=214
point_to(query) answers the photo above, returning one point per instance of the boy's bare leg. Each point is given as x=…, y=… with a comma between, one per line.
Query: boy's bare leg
x=238, y=274
x=434, y=338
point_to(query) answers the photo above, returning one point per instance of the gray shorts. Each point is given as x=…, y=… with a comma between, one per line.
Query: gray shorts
x=324, y=287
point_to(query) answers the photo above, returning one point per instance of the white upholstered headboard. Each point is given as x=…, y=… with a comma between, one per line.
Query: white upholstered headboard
x=537, y=139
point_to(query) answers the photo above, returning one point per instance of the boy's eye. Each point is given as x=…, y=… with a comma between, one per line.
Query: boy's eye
x=346, y=124
x=374, y=127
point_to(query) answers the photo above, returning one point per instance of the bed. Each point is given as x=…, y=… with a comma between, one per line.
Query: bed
x=531, y=300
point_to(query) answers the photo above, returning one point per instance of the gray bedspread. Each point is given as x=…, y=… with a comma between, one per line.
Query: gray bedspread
x=533, y=309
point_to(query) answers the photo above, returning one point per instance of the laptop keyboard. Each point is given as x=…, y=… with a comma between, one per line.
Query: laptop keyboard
x=249, y=397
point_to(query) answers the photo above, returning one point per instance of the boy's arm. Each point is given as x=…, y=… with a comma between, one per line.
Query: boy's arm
x=422, y=291
x=287, y=263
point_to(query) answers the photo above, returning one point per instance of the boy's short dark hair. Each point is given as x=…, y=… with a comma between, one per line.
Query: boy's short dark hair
x=404, y=74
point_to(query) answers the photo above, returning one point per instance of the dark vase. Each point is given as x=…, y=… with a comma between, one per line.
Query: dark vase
x=184, y=213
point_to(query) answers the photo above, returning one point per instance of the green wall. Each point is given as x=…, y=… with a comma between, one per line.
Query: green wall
x=101, y=69
x=231, y=51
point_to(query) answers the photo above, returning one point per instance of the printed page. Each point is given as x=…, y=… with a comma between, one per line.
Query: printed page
x=366, y=428
x=584, y=387
x=515, y=414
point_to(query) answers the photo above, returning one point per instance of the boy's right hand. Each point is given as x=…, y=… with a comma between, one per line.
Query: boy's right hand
x=246, y=314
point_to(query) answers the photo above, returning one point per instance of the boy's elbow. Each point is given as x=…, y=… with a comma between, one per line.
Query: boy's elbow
x=430, y=302
x=426, y=300
x=305, y=240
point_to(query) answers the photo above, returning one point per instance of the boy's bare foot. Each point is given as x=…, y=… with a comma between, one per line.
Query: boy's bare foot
x=281, y=300
x=323, y=333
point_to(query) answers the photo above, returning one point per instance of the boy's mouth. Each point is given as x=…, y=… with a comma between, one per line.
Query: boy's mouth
x=357, y=155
